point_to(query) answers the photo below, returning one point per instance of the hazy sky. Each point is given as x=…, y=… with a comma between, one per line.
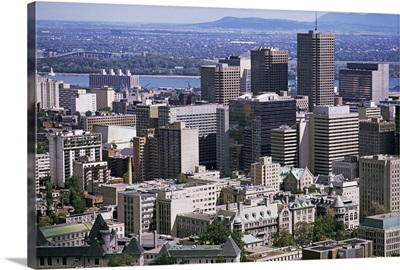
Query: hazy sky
x=156, y=14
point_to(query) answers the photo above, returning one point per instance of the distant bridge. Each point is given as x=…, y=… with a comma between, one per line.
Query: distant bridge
x=86, y=54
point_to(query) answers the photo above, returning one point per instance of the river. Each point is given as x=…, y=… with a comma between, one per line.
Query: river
x=156, y=82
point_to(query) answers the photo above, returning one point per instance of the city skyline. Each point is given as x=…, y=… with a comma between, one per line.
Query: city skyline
x=8, y=262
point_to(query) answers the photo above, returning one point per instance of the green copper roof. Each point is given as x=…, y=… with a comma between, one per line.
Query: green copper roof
x=64, y=229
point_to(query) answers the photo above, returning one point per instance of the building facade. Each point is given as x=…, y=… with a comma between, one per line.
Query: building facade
x=269, y=70
x=128, y=120
x=376, y=136
x=334, y=134
x=284, y=145
x=316, y=67
x=364, y=82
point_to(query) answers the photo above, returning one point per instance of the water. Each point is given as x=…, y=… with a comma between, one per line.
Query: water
x=155, y=82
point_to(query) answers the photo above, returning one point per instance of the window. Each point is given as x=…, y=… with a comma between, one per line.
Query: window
x=49, y=261
x=96, y=261
x=64, y=261
x=42, y=261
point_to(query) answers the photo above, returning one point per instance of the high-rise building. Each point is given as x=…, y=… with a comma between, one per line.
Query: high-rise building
x=284, y=145
x=203, y=117
x=42, y=168
x=222, y=141
x=67, y=96
x=334, y=134
x=220, y=83
x=104, y=97
x=348, y=167
x=376, y=136
x=91, y=173
x=47, y=92
x=83, y=103
x=245, y=66
x=316, y=67
x=178, y=149
x=379, y=183
x=364, y=82
x=251, y=120
x=146, y=117
x=265, y=172
x=269, y=70
x=65, y=147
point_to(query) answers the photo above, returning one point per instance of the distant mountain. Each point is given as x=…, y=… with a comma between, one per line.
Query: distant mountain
x=254, y=23
x=349, y=22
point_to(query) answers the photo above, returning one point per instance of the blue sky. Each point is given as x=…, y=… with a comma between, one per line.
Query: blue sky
x=156, y=14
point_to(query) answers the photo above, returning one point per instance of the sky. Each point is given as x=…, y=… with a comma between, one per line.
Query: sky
x=13, y=136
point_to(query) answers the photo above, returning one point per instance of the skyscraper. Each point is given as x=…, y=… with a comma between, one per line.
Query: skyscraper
x=334, y=134
x=203, y=117
x=376, y=136
x=269, y=70
x=245, y=66
x=379, y=183
x=284, y=145
x=220, y=83
x=364, y=82
x=316, y=67
x=251, y=120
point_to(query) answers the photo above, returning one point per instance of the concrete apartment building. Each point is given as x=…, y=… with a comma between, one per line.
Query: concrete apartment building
x=146, y=117
x=67, y=95
x=42, y=168
x=316, y=67
x=137, y=210
x=178, y=148
x=104, y=96
x=203, y=117
x=128, y=120
x=379, y=182
x=376, y=136
x=269, y=70
x=245, y=67
x=193, y=223
x=364, y=82
x=265, y=172
x=348, y=167
x=65, y=147
x=83, y=103
x=47, y=92
x=91, y=173
x=284, y=145
x=251, y=120
x=116, y=80
x=220, y=83
x=334, y=134
x=384, y=231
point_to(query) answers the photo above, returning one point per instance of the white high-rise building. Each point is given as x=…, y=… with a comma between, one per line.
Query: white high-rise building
x=65, y=147
x=334, y=134
x=47, y=92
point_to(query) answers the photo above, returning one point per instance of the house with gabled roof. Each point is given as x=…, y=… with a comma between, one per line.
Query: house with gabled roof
x=298, y=179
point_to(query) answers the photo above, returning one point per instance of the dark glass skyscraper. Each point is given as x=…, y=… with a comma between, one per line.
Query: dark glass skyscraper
x=269, y=70
x=316, y=67
x=250, y=123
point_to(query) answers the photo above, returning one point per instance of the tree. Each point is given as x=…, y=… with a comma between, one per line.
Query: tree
x=217, y=233
x=303, y=233
x=165, y=260
x=376, y=209
x=327, y=227
x=88, y=113
x=74, y=196
x=282, y=238
x=45, y=221
x=182, y=178
x=121, y=260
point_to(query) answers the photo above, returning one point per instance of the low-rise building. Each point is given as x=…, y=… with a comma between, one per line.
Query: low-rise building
x=384, y=231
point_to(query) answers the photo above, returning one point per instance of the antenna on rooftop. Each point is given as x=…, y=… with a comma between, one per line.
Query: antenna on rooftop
x=316, y=21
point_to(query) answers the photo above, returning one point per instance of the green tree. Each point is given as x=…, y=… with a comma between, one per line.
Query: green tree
x=376, y=209
x=88, y=113
x=45, y=221
x=165, y=260
x=282, y=238
x=75, y=196
x=303, y=233
x=105, y=109
x=182, y=178
x=217, y=233
x=121, y=260
x=327, y=227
